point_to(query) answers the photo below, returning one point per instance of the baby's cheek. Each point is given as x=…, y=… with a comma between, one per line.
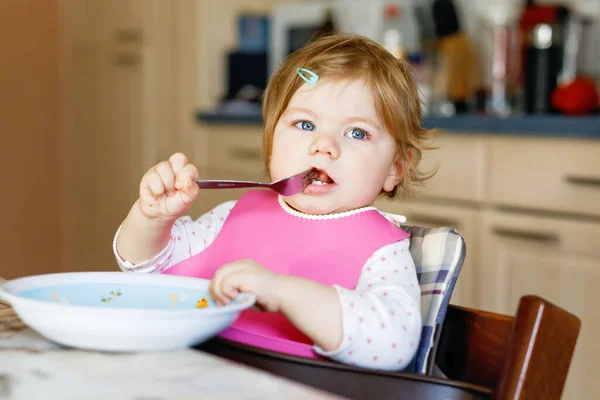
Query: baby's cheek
x=276, y=166
x=367, y=189
x=367, y=196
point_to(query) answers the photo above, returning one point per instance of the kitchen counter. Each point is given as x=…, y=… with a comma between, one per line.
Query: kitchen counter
x=544, y=125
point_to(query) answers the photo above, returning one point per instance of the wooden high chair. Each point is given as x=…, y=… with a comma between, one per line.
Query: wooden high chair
x=482, y=355
x=518, y=358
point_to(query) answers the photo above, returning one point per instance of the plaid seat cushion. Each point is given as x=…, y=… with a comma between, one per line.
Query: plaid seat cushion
x=438, y=254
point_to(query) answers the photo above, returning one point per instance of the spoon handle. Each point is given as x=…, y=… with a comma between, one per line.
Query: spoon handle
x=227, y=184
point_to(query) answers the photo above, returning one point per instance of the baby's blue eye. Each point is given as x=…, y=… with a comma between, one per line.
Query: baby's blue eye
x=357, y=134
x=305, y=125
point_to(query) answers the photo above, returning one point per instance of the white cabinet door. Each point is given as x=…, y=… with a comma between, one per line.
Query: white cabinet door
x=118, y=80
x=556, y=259
x=464, y=221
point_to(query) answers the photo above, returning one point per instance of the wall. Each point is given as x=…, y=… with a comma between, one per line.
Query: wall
x=29, y=124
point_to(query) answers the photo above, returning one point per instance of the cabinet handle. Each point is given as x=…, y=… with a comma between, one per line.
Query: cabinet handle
x=541, y=237
x=583, y=180
x=126, y=59
x=245, y=153
x=433, y=221
x=129, y=35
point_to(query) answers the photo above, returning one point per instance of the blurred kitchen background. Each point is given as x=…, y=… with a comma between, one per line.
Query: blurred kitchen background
x=95, y=92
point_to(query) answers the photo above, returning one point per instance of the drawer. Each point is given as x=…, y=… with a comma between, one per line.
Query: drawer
x=543, y=173
x=460, y=160
x=542, y=235
x=236, y=149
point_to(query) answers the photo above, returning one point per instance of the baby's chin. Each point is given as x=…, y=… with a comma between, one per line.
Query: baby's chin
x=313, y=205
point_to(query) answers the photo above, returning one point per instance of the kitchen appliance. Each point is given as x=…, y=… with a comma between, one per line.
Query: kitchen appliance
x=543, y=63
x=542, y=29
x=294, y=24
x=246, y=72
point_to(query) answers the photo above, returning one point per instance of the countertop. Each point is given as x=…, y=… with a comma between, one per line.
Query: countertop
x=543, y=125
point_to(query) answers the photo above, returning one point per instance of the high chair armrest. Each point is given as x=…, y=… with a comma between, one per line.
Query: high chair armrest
x=540, y=349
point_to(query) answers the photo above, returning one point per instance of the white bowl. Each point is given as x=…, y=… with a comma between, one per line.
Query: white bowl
x=119, y=311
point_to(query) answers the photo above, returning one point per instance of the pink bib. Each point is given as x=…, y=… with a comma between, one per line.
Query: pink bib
x=329, y=251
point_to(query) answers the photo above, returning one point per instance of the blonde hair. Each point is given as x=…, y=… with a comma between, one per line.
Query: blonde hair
x=397, y=102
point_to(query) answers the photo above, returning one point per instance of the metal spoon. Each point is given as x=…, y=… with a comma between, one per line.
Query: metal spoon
x=285, y=187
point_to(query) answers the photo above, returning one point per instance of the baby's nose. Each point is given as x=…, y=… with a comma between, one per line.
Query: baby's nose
x=325, y=145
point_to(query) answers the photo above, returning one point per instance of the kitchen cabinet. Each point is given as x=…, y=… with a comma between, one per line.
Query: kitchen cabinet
x=531, y=227
x=127, y=67
x=233, y=152
x=550, y=174
x=460, y=166
x=556, y=258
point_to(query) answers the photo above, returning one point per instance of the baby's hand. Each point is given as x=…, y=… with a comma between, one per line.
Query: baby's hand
x=168, y=189
x=246, y=276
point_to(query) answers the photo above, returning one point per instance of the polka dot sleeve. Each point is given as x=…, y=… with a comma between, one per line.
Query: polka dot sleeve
x=381, y=316
x=188, y=238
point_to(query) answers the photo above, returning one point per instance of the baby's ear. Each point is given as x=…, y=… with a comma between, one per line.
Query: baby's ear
x=395, y=175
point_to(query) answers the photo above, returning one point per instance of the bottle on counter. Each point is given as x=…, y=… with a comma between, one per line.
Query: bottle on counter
x=542, y=30
x=457, y=75
x=500, y=37
x=391, y=32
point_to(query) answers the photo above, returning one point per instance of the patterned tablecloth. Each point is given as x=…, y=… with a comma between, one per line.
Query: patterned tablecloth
x=31, y=367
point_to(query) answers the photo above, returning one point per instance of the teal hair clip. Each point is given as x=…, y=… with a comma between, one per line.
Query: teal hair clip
x=311, y=79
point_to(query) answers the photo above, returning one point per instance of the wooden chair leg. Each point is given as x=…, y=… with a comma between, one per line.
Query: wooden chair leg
x=540, y=349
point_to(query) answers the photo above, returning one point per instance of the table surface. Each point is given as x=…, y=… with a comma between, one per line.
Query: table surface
x=32, y=367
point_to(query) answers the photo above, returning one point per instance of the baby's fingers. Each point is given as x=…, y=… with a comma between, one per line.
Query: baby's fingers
x=183, y=199
x=151, y=186
x=214, y=289
x=167, y=175
x=186, y=184
x=223, y=287
x=178, y=161
x=189, y=172
x=190, y=191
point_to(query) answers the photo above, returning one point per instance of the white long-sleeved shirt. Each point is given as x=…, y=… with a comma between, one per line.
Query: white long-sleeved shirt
x=381, y=316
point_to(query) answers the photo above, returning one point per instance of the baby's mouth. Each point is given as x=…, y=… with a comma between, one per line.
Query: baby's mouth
x=320, y=178
x=317, y=182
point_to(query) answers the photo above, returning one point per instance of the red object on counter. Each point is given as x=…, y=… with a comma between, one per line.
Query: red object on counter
x=579, y=97
x=537, y=14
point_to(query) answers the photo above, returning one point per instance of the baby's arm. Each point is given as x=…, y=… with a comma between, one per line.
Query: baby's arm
x=187, y=238
x=377, y=325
